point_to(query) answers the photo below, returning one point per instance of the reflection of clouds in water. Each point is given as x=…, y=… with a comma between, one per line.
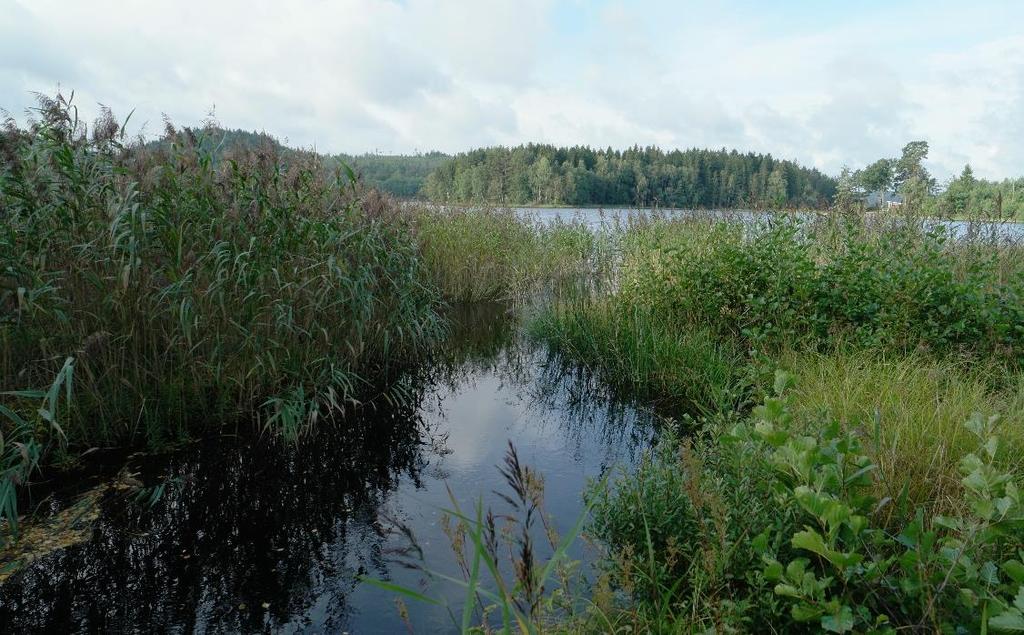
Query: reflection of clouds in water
x=554, y=418
x=472, y=418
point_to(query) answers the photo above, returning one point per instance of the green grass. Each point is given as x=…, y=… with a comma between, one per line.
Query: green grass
x=896, y=336
x=680, y=369
x=776, y=525
x=489, y=254
x=152, y=293
x=921, y=405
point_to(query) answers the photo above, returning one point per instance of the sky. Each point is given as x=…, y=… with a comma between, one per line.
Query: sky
x=826, y=83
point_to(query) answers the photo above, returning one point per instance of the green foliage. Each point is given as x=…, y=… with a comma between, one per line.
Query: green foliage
x=971, y=198
x=675, y=367
x=23, y=438
x=946, y=574
x=486, y=254
x=547, y=175
x=682, y=534
x=920, y=405
x=768, y=526
x=898, y=288
x=193, y=286
x=485, y=544
x=402, y=175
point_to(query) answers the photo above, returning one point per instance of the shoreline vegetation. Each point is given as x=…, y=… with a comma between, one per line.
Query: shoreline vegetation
x=545, y=176
x=843, y=394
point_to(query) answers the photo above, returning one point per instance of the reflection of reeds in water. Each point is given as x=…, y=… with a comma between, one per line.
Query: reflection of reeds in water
x=244, y=521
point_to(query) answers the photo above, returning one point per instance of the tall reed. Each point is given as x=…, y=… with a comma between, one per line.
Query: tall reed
x=194, y=287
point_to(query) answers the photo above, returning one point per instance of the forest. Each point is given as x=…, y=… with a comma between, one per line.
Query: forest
x=537, y=174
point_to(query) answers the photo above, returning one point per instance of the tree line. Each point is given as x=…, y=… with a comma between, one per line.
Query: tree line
x=537, y=174
x=907, y=181
x=641, y=176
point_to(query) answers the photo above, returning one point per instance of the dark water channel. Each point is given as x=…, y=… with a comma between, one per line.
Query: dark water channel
x=254, y=536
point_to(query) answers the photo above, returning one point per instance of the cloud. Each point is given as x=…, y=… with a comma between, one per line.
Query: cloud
x=824, y=86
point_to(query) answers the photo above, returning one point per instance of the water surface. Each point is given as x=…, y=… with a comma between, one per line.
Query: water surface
x=255, y=536
x=611, y=217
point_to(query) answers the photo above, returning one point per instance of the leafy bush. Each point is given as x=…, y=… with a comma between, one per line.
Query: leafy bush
x=768, y=526
x=793, y=284
x=943, y=574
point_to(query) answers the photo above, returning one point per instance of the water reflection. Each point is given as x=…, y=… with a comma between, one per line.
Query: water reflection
x=257, y=536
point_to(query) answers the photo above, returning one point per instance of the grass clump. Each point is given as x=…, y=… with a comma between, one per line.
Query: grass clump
x=489, y=254
x=678, y=369
x=920, y=405
x=190, y=289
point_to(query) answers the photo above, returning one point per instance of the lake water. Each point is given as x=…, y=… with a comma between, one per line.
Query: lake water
x=254, y=536
x=604, y=218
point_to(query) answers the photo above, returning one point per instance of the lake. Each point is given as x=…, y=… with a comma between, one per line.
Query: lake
x=254, y=535
x=606, y=218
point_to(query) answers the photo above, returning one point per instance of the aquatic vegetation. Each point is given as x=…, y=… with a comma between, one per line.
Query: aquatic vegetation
x=189, y=292
x=536, y=590
x=152, y=293
x=490, y=254
x=678, y=368
x=826, y=503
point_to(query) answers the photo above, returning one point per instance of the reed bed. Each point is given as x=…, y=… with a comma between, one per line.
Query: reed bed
x=492, y=254
x=172, y=288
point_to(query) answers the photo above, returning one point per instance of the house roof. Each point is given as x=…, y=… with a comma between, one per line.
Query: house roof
x=874, y=199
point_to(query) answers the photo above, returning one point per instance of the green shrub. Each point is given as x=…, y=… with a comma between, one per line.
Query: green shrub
x=936, y=573
x=792, y=284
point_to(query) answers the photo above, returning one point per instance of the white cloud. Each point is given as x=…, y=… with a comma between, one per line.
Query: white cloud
x=821, y=85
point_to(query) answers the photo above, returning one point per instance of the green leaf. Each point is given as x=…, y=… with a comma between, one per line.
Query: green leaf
x=805, y=612
x=1009, y=621
x=1014, y=569
x=388, y=586
x=841, y=622
x=991, y=446
x=783, y=381
x=810, y=540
